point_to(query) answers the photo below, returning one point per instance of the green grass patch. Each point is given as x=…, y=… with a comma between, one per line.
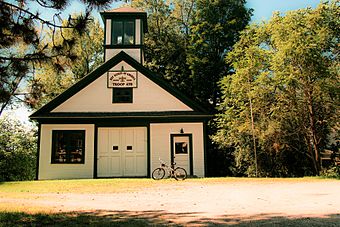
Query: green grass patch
x=94, y=186
x=75, y=186
x=77, y=219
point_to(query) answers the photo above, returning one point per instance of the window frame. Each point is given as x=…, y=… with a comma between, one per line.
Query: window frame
x=68, y=144
x=124, y=21
x=130, y=89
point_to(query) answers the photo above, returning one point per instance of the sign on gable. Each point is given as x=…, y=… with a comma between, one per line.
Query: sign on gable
x=121, y=79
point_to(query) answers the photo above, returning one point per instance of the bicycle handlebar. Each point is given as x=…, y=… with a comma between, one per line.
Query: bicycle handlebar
x=163, y=162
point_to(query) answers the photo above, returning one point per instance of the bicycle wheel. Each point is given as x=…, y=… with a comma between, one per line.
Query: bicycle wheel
x=180, y=173
x=158, y=174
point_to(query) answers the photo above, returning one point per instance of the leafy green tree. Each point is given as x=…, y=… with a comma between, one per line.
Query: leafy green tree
x=283, y=100
x=213, y=32
x=21, y=31
x=214, y=29
x=17, y=151
x=48, y=81
x=167, y=39
x=187, y=42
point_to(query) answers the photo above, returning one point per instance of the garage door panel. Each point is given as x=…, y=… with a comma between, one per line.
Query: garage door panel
x=103, y=142
x=130, y=166
x=114, y=140
x=115, y=164
x=122, y=152
x=103, y=168
x=141, y=165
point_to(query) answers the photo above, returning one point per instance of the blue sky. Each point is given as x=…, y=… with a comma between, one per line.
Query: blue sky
x=263, y=9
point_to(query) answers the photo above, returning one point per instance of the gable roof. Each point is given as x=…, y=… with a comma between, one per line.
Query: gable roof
x=122, y=56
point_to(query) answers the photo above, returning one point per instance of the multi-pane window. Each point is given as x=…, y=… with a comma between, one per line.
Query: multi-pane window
x=123, y=32
x=68, y=146
x=122, y=95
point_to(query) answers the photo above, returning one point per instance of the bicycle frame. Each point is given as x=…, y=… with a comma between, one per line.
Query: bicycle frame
x=178, y=173
x=169, y=169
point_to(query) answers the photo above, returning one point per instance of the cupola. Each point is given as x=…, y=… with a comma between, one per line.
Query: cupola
x=124, y=31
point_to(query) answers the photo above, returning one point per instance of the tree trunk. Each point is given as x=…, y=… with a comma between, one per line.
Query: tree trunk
x=312, y=132
x=253, y=132
x=312, y=154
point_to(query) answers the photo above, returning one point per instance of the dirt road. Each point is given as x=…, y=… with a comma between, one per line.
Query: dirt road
x=200, y=203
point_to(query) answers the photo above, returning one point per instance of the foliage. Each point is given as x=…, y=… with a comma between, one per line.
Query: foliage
x=287, y=84
x=167, y=39
x=214, y=30
x=21, y=32
x=331, y=172
x=49, y=82
x=186, y=44
x=17, y=151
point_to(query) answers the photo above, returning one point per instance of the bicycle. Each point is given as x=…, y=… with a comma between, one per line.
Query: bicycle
x=178, y=173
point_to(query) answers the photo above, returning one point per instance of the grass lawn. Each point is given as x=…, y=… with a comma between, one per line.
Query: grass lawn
x=74, y=186
x=74, y=219
x=22, y=188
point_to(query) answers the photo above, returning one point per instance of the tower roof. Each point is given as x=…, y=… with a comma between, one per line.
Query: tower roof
x=124, y=10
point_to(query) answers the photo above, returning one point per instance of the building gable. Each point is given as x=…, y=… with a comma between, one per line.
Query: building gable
x=91, y=94
x=146, y=97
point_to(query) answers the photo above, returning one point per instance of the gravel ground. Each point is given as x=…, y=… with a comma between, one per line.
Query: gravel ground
x=314, y=203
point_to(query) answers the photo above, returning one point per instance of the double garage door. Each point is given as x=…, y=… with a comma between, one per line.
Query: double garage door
x=122, y=152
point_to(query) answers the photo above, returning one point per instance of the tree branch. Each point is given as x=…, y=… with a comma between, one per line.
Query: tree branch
x=34, y=16
x=28, y=58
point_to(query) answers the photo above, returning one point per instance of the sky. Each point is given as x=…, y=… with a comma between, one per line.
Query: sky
x=263, y=10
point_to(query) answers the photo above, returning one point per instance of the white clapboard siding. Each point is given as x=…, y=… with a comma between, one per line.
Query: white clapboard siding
x=161, y=147
x=65, y=171
x=147, y=97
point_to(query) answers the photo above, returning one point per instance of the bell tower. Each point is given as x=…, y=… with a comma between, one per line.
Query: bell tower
x=124, y=31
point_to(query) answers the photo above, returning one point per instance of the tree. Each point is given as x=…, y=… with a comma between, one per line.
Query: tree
x=214, y=30
x=186, y=44
x=20, y=41
x=167, y=39
x=49, y=82
x=288, y=69
x=17, y=151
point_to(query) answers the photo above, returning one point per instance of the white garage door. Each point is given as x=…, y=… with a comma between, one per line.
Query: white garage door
x=122, y=152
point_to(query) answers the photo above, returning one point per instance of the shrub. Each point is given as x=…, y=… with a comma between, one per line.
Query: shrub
x=331, y=172
x=17, y=151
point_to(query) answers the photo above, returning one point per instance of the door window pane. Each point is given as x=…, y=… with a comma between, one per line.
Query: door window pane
x=181, y=148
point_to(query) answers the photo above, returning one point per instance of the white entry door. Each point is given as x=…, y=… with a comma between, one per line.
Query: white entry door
x=181, y=151
x=122, y=152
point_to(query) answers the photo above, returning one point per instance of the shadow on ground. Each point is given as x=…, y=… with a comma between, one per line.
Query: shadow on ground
x=158, y=218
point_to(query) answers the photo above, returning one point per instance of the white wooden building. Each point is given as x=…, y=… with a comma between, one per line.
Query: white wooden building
x=121, y=118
